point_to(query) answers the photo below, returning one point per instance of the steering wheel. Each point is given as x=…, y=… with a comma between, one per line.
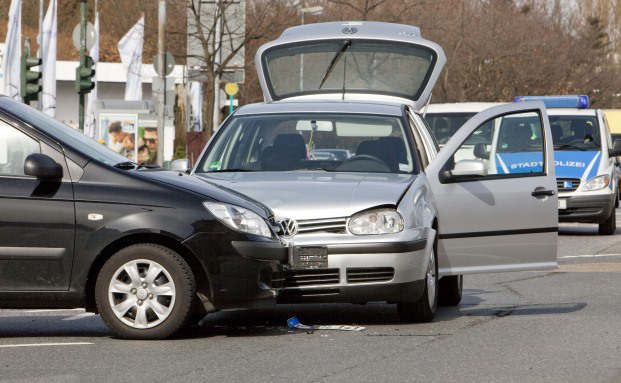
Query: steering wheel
x=377, y=165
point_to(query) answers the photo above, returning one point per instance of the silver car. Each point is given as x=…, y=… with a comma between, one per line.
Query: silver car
x=395, y=220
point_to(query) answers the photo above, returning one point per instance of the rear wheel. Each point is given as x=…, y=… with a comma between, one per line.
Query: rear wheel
x=424, y=309
x=450, y=290
x=609, y=226
x=145, y=291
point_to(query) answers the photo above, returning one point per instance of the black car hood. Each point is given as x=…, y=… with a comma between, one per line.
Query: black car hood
x=211, y=191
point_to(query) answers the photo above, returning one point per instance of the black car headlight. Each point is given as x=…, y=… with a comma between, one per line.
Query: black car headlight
x=239, y=218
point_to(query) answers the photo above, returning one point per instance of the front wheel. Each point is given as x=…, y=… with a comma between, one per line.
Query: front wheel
x=424, y=309
x=609, y=226
x=145, y=291
x=450, y=290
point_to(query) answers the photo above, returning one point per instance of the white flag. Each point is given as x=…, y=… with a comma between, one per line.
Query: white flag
x=90, y=126
x=13, y=51
x=130, y=49
x=48, y=55
x=196, y=105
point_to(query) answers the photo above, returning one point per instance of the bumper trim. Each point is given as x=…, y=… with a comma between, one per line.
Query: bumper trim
x=265, y=251
x=377, y=247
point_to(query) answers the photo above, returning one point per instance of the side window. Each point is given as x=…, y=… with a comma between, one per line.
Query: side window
x=15, y=146
x=507, y=145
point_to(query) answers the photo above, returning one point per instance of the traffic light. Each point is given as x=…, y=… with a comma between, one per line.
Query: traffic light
x=30, y=86
x=84, y=76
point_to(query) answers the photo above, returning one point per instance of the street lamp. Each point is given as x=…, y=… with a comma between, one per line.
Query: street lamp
x=315, y=11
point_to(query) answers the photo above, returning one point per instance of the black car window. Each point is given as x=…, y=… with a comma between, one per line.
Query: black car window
x=15, y=146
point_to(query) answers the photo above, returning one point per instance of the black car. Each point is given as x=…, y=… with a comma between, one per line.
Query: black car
x=81, y=226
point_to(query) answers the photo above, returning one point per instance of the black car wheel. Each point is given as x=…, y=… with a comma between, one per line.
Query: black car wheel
x=424, y=309
x=145, y=291
x=609, y=226
x=450, y=290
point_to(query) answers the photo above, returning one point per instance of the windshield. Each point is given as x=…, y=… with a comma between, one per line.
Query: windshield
x=302, y=142
x=444, y=125
x=575, y=132
x=61, y=132
x=362, y=66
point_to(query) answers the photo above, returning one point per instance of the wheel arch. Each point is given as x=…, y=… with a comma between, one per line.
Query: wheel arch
x=197, y=267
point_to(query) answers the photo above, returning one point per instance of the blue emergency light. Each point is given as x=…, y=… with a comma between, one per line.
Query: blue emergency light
x=578, y=101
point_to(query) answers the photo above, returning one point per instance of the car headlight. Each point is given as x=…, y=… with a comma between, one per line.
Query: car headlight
x=596, y=183
x=238, y=218
x=378, y=221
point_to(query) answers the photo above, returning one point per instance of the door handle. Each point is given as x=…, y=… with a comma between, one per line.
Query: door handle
x=541, y=192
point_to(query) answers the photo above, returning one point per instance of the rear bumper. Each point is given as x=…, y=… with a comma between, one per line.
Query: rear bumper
x=587, y=208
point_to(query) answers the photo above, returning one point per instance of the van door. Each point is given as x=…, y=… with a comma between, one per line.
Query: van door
x=497, y=213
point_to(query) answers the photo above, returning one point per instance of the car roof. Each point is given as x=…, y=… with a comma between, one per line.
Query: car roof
x=570, y=112
x=460, y=107
x=331, y=106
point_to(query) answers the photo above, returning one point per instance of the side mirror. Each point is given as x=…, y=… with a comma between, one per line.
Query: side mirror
x=43, y=167
x=480, y=151
x=182, y=165
x=464, y=170
x=616, y=148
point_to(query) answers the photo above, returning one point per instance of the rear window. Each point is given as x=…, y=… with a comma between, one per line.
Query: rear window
x=444, y=125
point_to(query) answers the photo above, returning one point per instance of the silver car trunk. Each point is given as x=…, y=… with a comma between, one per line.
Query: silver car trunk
x=316, y=195
x=350, y=61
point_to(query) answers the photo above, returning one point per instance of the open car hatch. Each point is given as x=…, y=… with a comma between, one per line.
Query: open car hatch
x=350, y=61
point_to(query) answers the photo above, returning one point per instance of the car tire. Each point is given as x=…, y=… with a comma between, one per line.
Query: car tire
x=609, y=226
x=450, y=290
x=145, y=291
x=424, y=309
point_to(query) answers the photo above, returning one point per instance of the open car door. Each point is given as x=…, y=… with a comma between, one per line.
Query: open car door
x=496, y=201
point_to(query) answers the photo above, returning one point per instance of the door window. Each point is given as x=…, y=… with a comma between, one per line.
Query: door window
x=506, y=146
x=15, y=146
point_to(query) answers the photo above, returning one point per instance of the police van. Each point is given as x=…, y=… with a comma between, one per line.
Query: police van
x=584, y=153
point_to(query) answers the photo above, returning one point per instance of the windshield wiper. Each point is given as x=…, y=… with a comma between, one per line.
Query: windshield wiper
x=336, y=57
x=231, y=170
x=569, y=146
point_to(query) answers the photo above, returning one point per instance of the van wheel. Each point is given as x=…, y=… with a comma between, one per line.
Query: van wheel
x=424, y=309
x=450, y=290
x=609, y=226
x=145, y=291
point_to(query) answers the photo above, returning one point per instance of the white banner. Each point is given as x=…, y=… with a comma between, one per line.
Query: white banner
x=48, y=55
x=130, y=49
x=196, y=105
x=90, y=127
x=13, y=51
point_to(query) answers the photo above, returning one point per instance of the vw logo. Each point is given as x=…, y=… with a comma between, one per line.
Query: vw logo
x=289, y=227
x=349, y=30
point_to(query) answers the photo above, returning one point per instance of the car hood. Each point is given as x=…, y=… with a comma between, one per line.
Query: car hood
x=315, y=195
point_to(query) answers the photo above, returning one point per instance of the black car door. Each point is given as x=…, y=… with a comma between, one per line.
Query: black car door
x=37, y=218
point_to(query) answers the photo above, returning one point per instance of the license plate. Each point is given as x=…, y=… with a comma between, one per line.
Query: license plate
x=309, y=258
x=562, y=204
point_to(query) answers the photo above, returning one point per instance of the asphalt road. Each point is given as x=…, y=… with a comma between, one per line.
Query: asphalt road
x=560, y=326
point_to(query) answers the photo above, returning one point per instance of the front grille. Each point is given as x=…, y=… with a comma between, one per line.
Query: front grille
x=299, y=278
x=563, y=184
x=328, y=225
x=370, y=274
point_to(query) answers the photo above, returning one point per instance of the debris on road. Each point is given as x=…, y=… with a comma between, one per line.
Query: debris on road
x=294, y=323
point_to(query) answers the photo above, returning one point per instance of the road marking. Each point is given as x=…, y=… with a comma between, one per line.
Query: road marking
x=79, y=316
x=45, y=344
x=589, y=256
x=52, y=310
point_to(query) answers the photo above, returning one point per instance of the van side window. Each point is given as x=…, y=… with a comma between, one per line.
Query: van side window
x=15, y=146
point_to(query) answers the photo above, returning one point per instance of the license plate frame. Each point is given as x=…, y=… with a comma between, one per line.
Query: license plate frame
x=562, y=204
x=309, y=257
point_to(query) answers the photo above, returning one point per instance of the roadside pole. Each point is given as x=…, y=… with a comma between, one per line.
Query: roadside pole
x=82, y=59
x=161, y=105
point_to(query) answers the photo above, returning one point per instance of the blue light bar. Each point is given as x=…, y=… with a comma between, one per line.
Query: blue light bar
x=578, y=101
